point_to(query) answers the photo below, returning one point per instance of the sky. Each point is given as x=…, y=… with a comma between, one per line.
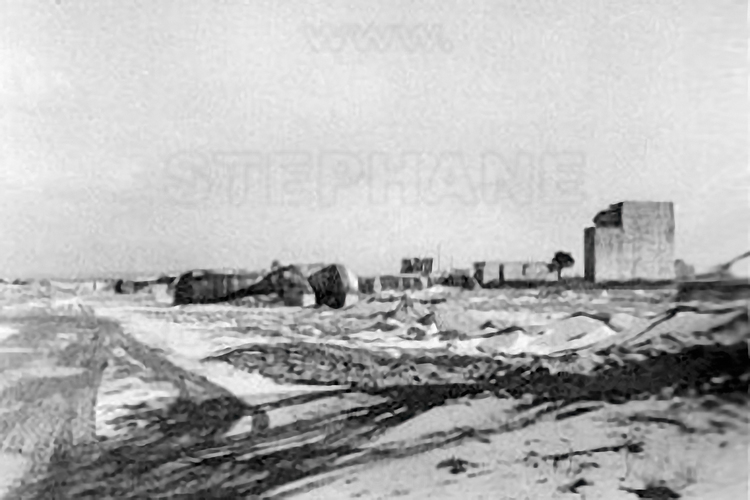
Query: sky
x=140, y=137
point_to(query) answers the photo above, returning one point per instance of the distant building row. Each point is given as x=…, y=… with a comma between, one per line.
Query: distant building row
x=630, y=241
x=495, y=273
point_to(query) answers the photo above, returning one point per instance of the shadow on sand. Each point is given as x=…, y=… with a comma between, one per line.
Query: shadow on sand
x=182, y=452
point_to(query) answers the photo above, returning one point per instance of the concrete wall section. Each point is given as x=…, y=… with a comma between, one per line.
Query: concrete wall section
x=491, y=272
x=639, y=247
x=522, y=271
x=652, y=227
x=589, y=253
x=512, y=271
x=539, y=271
x=614, y=260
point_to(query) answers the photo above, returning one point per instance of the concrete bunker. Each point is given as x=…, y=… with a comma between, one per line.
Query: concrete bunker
x=631, y=241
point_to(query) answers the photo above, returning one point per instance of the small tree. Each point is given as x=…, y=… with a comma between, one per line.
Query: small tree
x=560, y=261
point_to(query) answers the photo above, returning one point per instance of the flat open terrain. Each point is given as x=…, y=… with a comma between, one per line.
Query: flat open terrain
x=439, y=394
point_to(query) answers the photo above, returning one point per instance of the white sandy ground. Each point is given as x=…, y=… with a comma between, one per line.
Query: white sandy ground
x=7, y=331
x=185, y=346
x=496, y=477
x=13, y=466
x=495, y=472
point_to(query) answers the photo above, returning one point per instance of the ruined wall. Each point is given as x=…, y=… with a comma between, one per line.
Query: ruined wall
x=539, y=271
x=479, y=272
x=632, y=240
x=488, y=273
x=524, y=271
x=589, y=253
x=492, y=271
x=512, y=271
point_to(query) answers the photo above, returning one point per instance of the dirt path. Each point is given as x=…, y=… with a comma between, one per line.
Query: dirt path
x=185, y=346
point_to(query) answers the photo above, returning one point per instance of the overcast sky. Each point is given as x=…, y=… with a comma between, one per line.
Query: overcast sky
x=149, y=136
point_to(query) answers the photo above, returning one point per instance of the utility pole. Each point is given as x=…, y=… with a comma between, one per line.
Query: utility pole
x=438, y=256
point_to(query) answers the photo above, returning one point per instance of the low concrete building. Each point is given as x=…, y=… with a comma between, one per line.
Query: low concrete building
x=539, y=271
x=512, y=271
x=488, y=273
x=631, y=240
x=527, y=271
x=491, y=273
x=399, y=282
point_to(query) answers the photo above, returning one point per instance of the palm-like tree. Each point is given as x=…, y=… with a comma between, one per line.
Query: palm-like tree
x=560, y=261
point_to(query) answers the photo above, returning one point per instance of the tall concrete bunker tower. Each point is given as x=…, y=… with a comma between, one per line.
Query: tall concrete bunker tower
x=632, y=240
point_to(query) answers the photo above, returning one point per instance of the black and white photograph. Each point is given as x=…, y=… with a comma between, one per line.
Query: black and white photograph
x=374, y=249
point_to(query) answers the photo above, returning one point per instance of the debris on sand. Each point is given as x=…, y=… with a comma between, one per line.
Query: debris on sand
x=398, y=387
x=653, y=492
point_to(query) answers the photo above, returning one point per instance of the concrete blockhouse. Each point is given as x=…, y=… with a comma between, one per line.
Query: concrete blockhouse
x=631, y=240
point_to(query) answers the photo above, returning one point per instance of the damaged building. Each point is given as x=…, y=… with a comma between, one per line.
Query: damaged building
x=631, y=241
x=416, y=265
